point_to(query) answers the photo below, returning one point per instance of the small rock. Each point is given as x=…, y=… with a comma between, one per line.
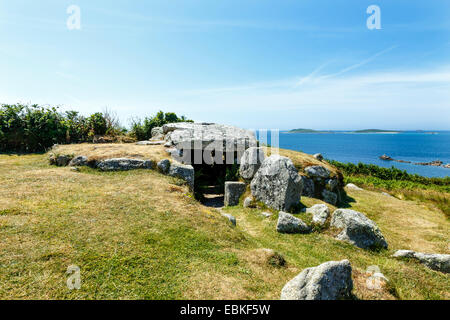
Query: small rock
x=79, y=161
x=353, y=187
x=164, y=166
x=329, y=197
x=386, y=194
x=230, y=218
x=320, y=212
x=318, y=156
x=62, y=161
x=329, y=281
x=287, y=223
x=74, y=169
x=376, y=280
x=267, y=214
x=233, y=191
x=249, y=202
x=184, y=172
x=438, y=262
x=357, y=229
x=317, y=172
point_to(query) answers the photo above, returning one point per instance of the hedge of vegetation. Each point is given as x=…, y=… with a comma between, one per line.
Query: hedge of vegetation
x=142, y=130
x=392, y=173
x=32, y=128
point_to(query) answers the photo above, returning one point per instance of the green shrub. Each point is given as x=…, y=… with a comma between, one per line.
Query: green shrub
x=387, y=173
x=31, y=128
x=142, y=129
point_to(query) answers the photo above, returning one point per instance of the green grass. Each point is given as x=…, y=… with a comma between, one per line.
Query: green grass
x=141, y=235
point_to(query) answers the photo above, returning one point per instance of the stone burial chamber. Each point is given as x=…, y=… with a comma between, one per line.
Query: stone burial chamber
x=214, y=151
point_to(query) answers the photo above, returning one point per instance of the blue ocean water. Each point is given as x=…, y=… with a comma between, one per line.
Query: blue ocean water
x=367, y=148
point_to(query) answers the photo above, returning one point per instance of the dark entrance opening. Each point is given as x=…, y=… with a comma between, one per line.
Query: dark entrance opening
x=209, y=183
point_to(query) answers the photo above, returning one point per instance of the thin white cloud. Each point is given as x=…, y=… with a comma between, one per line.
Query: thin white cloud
x=359, y=64
x=311, y=76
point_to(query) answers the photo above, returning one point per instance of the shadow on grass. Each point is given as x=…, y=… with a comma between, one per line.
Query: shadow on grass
x=346, y=200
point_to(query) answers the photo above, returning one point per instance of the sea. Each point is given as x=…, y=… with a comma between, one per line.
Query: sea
x=368, y=147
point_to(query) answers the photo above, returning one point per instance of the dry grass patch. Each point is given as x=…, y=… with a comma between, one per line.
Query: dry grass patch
x=97, y=152
x=302, y=160
x=141, y=235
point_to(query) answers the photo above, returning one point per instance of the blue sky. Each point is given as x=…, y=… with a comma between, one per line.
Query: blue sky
x=255, y=64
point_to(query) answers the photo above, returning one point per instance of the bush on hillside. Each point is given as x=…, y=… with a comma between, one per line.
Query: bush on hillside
x=142, y=129
x=32, y=128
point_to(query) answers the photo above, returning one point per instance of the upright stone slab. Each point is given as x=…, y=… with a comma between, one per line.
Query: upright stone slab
x=250, y=162
x=277, y=183
x=184, y=172
x=233, y=191
x=329, y=197
x=124, y=164
x=329, y=281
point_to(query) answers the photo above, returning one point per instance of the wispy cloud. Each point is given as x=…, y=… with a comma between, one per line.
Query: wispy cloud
x=359, y=64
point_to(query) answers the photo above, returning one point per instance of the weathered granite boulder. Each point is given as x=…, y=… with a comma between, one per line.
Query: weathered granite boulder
x=277, y=183
x=352, y=186
x=308, y=187
x=357, y=229
x=233, y=191
x=266, y=214
x=320, y=213
x=329, y=281
x=250, y=162
x=317, y=172
x=184, y=172
x=79, y=161
x=157, y=133
x=123, y=164
x=438, y=262
x=329, y=197
x=62, y=161
x=164, y=166
x=287, y=223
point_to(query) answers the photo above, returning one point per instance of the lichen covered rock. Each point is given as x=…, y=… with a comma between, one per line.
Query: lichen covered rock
x=329, y=281
x=277, y=183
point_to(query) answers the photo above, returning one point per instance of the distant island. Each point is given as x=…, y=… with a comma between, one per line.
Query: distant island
x=376, y=131
x=304, y=131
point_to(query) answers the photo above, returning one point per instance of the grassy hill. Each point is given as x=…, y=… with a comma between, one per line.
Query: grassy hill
x=141, y=235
